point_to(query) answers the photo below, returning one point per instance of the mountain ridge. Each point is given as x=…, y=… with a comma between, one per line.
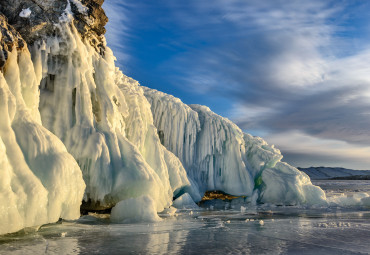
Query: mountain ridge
x=324, y=173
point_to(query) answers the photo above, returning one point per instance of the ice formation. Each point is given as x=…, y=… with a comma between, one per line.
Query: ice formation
x=219, y=156
x=75, y=128
x=105, y=122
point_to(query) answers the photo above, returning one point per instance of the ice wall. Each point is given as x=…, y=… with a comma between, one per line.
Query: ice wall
x=221, y=157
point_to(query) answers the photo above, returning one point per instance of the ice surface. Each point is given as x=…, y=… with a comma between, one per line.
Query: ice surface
x=285, y=230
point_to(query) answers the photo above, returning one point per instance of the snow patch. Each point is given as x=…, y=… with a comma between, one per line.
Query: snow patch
x=80, y=7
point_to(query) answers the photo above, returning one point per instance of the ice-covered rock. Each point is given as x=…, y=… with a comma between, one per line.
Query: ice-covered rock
x=88, y=18
x=40, y=181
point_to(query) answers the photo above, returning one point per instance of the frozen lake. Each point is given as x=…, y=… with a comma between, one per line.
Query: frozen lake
x=253, y=230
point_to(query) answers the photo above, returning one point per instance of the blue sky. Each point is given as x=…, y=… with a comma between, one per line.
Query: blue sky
x=296, y=73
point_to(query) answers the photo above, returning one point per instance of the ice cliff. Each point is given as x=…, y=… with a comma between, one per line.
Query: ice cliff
x=73, y=128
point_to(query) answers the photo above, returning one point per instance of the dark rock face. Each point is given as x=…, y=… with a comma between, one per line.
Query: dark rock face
x=9, y=38
x=46, y=13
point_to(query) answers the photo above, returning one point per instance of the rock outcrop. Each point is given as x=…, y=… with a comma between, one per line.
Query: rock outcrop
x=43, y=15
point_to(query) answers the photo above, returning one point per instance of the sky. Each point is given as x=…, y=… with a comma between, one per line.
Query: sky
x=296, y=73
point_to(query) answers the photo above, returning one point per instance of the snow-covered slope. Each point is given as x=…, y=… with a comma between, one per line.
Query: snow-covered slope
x=322, y=173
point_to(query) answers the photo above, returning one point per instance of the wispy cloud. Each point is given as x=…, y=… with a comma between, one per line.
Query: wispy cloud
x=118, y=28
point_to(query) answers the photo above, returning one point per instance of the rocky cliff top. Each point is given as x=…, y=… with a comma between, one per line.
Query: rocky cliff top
x=34, y=19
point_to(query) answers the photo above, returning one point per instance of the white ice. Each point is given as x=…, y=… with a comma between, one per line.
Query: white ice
x=141, y=209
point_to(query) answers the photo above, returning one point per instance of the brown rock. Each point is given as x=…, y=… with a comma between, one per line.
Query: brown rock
x=46, y=13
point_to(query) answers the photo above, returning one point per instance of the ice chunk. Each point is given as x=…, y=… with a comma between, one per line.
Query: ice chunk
x=168, y=212
x=25, y=13
x=217, y=155
x=366, y=201
x=141, y=209
x=284, y=184
x=185, y=202
x=357, y=199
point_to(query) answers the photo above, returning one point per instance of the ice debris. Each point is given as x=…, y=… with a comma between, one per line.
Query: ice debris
x=141, y=209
